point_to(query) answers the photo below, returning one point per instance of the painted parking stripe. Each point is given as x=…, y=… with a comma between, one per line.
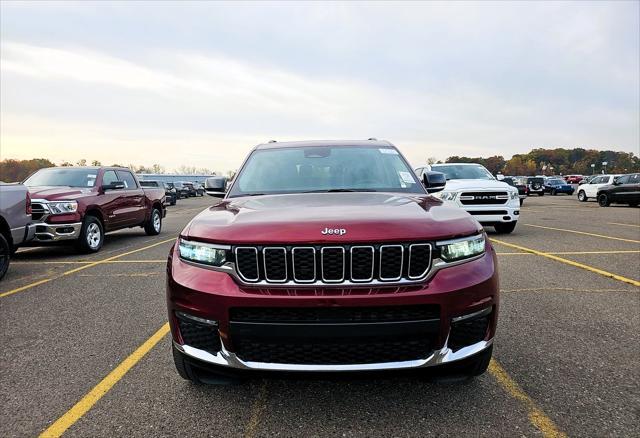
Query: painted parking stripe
x=80, y=268
x=536, y=416
x=632, y=251
x=584, y=233
x=623, y=225
x=97, y=392
x=570, y=262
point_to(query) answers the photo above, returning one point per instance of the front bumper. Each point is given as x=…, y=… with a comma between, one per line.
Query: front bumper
x=469, y=290
x=490, y=214
x=45, y=232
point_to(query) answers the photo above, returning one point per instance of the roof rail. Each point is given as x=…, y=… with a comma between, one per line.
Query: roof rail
x=372, y=139
x=273, y=141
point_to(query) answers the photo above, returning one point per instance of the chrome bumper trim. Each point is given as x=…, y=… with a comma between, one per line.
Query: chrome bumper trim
x=48, y=232
x=229, y=359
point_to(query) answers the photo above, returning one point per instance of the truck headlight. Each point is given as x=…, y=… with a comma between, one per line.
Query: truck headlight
x=62, y=207
x=458, y=249
x=447, y=196
x=200, y=252
x=514, y=195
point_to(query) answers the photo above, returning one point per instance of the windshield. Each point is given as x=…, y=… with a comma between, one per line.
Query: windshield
x=325, y=169
x=555, y=182
x=63, y=176
x=457, y=171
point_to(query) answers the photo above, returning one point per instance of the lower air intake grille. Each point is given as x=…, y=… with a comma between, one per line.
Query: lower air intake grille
x=201, y=336
x=468, y=332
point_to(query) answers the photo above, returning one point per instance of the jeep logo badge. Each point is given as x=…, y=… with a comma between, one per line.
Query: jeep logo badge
x=337, y=231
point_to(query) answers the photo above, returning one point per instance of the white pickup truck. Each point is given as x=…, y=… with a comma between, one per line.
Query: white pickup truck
x=472, y=187
x=590, y=189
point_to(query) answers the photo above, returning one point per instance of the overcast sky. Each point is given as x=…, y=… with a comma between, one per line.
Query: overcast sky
x=201, y=83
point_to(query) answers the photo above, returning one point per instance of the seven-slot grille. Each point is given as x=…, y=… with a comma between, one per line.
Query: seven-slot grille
x=327, y=264
x=483, y=198
x=38, y=210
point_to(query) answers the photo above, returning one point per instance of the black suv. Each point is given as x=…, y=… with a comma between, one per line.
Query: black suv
x=625, y=190
x=170, y=192
x=515, y=182
x=535, y=184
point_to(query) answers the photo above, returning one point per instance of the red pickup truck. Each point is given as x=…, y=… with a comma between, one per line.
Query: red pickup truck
x=331, y=256
x=81, y=204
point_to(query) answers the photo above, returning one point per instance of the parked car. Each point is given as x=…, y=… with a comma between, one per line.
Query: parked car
x=170, y=193
x=573, y=179
x=270, y=278
x=624, y=190
x=535, y=185
x=518, y=184
x=80, y=204
x=473, y=188
x=183, y=190
x=199, y=189
x=587, y=179
x=191, y=190
x=16, y=227
x=556, y=186
x=590, y=190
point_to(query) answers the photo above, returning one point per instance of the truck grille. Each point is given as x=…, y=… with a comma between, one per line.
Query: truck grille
x=38, y=210
x=484, y=198
x=333, y=264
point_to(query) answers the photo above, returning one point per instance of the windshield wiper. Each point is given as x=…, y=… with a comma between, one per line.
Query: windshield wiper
x=340, y=190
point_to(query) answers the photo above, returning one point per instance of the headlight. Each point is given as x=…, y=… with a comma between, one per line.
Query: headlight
x=447, y=196
x=514, y=195
x=63, y=207
x=461, y=248
x=200, y=252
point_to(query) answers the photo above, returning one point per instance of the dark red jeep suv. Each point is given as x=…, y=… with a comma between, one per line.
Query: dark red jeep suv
x=331, y=256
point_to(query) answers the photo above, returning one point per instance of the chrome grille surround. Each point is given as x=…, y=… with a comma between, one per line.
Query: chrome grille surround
x=333, y=265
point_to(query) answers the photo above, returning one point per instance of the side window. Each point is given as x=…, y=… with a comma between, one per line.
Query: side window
x=109, y=177
x=634, y=179
x=624, y=179
x=127, y=179
x=599, y=180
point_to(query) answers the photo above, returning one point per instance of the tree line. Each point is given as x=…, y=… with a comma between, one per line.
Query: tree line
x=17, y=170
x=558, y=161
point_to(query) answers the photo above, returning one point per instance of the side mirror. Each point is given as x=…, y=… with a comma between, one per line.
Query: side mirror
x=117, y=185
x=215, y=186
x=434, y=181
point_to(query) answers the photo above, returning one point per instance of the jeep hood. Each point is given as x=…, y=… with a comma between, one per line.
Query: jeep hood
x=300, y=218
x=58, y=193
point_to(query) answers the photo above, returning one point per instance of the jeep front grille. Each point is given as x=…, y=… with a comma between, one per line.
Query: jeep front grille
x=333, y=264
x=483, y=198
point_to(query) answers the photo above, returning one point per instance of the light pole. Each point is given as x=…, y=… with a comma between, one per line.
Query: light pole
x=593, y=169
x=604, y=164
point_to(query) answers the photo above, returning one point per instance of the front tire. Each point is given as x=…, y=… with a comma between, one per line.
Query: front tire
x=91, y=235
x=603, y=200
x=553, y=192
x=154, y=225
x=505, y=227
x=582, y=196
x=540, y=193
x=185, y=370
x=5, y=256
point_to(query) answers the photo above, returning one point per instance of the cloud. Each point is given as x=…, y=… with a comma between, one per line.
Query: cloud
x=202, y=85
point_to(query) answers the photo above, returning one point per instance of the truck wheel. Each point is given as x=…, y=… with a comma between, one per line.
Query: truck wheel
x=5, y=256
x=173, y=200
x=521, y=202
x=633, y=204
x=505, y=227
x=603, y=200
x=91, y=235
x=184, y=369
x=540, y=193
x=582, y=196
x=553, y=192
x=154, y=225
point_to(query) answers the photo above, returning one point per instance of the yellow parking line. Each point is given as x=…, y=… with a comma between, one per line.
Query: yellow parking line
x=259, y=406
x=624, y=225
x=536, y=416
x=80, y=268
x=582, y=232
x=570, y=262
x=74, y=262
x=97, y=392
x=633, y=251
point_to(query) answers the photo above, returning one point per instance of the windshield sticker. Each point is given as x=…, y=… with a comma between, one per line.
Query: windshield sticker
x=406, y=177
x=388, y=151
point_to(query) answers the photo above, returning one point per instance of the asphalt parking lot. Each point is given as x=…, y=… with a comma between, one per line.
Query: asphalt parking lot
x=86, y=350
